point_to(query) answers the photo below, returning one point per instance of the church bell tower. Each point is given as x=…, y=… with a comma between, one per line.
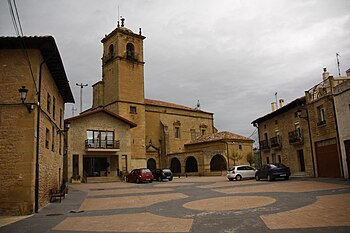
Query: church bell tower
x=122, y=87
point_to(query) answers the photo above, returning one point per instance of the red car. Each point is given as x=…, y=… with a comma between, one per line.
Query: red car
x=140, y=175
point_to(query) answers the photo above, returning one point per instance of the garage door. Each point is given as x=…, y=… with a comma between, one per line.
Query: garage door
x=327, y=158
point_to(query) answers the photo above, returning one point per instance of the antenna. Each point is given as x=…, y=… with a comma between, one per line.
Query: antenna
x=337, y=55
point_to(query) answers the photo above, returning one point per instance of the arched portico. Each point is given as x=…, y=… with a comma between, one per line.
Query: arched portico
x=218, y=163
x=191, y=164
x=175, y=165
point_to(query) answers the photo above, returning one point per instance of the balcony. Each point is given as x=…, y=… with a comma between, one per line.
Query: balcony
x=295, y=137
x=264, y=145
x=276, y=142
x=102, y=145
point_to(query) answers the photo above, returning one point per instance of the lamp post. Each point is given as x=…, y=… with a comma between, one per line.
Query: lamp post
x=81, y=94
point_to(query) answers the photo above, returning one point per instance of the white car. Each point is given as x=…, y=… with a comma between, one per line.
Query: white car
x=241, y=172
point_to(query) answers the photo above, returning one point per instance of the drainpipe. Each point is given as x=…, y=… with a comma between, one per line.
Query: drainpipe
x=36, y=190
x=310, y=138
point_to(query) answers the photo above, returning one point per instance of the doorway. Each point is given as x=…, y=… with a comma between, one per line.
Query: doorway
x=300, y=154
x=95, y=166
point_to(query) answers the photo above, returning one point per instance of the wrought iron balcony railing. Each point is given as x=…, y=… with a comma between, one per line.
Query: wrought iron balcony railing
x=276, y=142
x=264, y=145
x=295, y=137
x=102, y=144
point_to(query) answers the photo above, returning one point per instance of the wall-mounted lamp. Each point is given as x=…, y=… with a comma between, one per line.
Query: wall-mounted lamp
x=23, y=91
x=66, y=127
x=299, y=114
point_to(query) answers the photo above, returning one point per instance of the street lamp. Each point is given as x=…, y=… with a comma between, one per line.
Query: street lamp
x=23, y=91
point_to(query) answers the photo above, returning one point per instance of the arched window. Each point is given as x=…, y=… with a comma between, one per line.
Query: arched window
x=191, y=164
x=151, y=164
x=111, y=51
x=218, y=163
x=130, y=51
x=175, y=165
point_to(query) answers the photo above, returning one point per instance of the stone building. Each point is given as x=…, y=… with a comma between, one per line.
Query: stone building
x=310, y=134
x=324, y=127
x=164, y=130
x=100, y=141
x=284, y=137
x=342, y=109
x=31, y=134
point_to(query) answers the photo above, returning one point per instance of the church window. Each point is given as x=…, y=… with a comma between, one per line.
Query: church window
x=48, y=103
x=203, y=131
x=133, y=109
x=177, y=132
x=110, y=51
x=47, y=138
x=130, y=51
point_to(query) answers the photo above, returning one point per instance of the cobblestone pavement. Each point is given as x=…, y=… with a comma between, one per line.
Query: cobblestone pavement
x=197, y=204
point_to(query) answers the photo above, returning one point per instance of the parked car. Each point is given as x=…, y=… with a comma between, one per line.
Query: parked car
x=272, y=171
x=140, y=175
x=240, y=172
x=162, y=174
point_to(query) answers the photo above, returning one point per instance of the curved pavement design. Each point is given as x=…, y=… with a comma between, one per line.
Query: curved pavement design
x=197, y=204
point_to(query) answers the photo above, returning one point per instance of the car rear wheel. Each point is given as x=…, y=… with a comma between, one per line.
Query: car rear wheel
x=286, y=178
x=170, y=179
x=238, y=177
x=230, y=179
x=150, y=181
x=257, y=178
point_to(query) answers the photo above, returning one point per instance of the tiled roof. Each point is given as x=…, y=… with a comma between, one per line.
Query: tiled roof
x=219, y=136
x=88, y=113
x=170, y=105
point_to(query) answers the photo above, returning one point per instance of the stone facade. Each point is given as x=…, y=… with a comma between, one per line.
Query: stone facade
x=18, y=126
x=321, y=123
x=284, y=138
x=115, y=151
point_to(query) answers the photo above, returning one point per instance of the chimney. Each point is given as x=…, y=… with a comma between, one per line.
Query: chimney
x=348, y=73
x=325, y=74
x=274, y=106
x=281, y=103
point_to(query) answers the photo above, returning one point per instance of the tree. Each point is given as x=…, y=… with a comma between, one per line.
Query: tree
x=236, y=156
x=250, y=158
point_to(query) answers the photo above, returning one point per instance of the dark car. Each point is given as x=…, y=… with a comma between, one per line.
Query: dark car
x=139, y=175
x=272, y=171
x=162, y=174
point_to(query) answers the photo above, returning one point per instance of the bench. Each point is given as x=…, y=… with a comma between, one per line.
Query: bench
x=55, y=193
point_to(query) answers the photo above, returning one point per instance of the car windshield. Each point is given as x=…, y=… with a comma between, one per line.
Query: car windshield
x=145, y=171
x=277, y=165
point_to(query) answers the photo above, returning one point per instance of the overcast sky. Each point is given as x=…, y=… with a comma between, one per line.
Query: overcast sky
x=232, y=56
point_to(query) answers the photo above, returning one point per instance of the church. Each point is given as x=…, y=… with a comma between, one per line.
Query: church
x=123, y=130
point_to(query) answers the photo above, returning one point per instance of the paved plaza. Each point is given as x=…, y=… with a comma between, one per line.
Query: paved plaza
x=196, y=204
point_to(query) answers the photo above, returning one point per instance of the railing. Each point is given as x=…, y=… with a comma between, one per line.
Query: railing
x=295, y=137
x=319, y=90
x=264, y=144
x=276, y=141
x=102, y=144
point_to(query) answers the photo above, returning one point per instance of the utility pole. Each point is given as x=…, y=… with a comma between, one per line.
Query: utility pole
x=81, y=85
x=73, y=110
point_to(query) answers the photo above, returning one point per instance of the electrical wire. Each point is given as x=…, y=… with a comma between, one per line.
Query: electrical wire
x=19, y=32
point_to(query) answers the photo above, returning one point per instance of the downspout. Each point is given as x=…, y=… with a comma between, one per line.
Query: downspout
x=36, y=191
x=310, y=138
x=338, y=139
